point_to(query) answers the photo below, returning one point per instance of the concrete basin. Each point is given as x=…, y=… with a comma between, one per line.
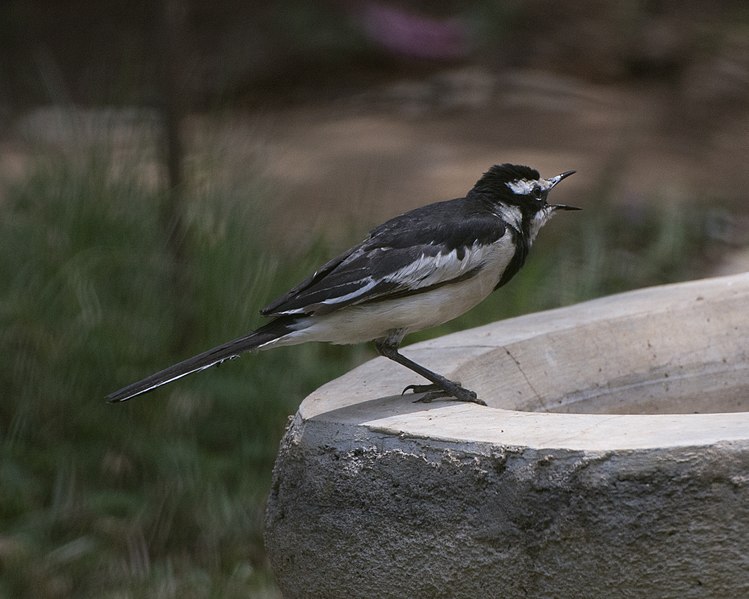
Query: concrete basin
x=613, y=460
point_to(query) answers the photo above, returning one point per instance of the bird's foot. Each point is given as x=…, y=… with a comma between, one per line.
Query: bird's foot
x=434, y=391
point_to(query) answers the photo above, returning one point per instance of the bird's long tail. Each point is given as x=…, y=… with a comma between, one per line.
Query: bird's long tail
x=273, y=331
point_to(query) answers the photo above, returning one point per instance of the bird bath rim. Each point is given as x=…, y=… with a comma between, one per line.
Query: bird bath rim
x=531, y=368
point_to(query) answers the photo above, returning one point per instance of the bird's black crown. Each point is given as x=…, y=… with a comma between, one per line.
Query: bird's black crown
x=495, y=180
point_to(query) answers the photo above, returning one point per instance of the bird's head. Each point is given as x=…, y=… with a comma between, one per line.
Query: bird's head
x=520, y=195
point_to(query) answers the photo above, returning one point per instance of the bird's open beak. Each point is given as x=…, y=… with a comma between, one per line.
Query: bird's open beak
x=554, y=181
x=559, y=177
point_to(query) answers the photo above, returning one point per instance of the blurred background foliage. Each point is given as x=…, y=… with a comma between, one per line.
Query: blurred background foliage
x=167, y=168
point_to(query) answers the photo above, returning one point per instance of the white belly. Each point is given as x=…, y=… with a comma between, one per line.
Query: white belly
x=375, y=320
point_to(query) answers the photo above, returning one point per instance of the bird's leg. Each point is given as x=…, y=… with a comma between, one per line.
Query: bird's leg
x=440, y=387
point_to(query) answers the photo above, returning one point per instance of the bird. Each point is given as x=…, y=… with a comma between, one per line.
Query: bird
x=415, y=271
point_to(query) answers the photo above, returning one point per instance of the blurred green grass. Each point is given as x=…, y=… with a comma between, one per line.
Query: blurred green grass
x=164, y=496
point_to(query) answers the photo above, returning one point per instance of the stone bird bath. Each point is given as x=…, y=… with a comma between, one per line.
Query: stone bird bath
x=612, y=461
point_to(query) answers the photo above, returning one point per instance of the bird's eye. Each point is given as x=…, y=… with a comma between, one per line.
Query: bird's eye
x=537, y=193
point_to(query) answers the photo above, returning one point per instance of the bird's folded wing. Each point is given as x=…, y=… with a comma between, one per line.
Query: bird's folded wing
x=386, y=266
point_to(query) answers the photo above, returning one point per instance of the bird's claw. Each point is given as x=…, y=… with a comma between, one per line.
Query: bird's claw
x=422, y=388
x=434, y=391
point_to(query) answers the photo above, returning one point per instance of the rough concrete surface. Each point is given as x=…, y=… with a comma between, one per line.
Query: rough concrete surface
x=588, y=475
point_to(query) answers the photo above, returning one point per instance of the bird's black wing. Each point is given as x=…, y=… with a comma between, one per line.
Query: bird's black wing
x=422, y=249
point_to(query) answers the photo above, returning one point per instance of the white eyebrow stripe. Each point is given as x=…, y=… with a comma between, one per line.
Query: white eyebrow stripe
x=521, y=186
x=525, y=187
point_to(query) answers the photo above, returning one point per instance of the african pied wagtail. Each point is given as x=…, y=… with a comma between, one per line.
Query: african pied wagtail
x=418, y=270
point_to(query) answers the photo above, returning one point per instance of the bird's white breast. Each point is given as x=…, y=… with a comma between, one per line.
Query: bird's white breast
x=420, y=310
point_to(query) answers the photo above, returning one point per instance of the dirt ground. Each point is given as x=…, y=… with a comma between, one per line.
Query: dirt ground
x=406, y=144
x=360, y=159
